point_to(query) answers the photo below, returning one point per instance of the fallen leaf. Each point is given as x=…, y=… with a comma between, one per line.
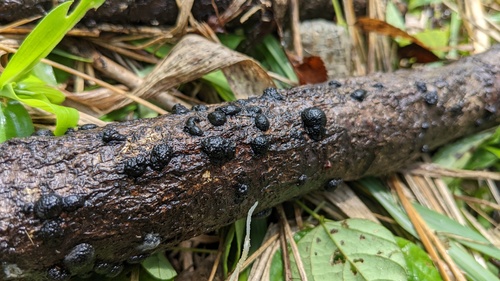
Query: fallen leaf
x=310, y=70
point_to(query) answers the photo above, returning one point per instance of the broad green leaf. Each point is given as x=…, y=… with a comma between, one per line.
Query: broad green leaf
x=159, y=267
x=66, y=117
x=17, y=121
x=420, y=266
x=353, y=249
x=38, y=44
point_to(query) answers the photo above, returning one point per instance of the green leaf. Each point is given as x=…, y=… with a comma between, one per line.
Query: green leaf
x=159, y=267
x=469, y=265
x=44, y=37
x=420, y=266
x=353, y=249
x=219, y=82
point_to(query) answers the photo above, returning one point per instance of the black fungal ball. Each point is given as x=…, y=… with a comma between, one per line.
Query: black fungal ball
x=108, y=269
x=43, y=133
x=80, y=259
x=241, y=193
x=358, y=94
x=191, y=128
x=431, y=98
x=72, y=202
x=57, y=273
x=332, y=184
x=179, y=109
x=272, y=94
x=48, y=206
x=87, y=127
x=151, y=241
x=260, y=145
x=261, y=122
x=229, y=109
x=378, y=85
x=69, y=131
x=51, y=231
x=334, y=83
x=161, y=154
x=137, y=258
x=421, y=87
x=109, y=135
x=218, y=149
x=135, y=167
x=314, y=122
x=200, y=107
x=302, y=179
x=253, y=110
x=217, y=118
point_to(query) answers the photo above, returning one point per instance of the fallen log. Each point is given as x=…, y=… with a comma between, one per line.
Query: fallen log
x=100, y=197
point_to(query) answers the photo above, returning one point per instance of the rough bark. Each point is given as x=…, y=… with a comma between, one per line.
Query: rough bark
x=149, y=12
x=374, y=125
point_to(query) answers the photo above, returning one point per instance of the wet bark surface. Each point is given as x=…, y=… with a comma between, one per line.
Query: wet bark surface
x=120, y=192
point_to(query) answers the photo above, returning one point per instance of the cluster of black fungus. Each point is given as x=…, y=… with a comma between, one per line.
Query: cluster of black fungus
x=378, y=85
x=253, y=110
x=51, y=231
x=191, y=128
x=80, y=259
x=110, y=135
x=358, y=94
x=261, y=122
x=179, y=109
x=229, y=109
x=260, y=145
x=108, y=269
x=161, y=154
x=431, y=98
x=200, y=107
x=332, y=184
x=218, y=149
x=272, y=94
x=421, y=86
x=48, y=206
x=314, y=120
x=58, y=273
x=334, y=83
x=136, y=166
x=72, y=202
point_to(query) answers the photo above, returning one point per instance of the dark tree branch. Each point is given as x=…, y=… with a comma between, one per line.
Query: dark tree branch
x=140, y=186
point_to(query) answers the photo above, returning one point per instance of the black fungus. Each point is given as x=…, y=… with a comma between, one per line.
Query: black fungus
x=260, y=145
x=425, y=148
x=218, y=149
x=263, y=214
x=48, y=206
x=421, y=87
x=160, y=156
x=425, y=125
x=253, y=110
x=69, y=131
x=431, y=98
x=151, y=241
x=332, y=184
x=217, y=118
x=72, y=202
x=179, y=109
x=191, y=128
x=334, y=83
x=58, y=273
x=51, y=231
x=80, y=259
x=272, y=94
x=108, y=269
x=135, y=167
x=314, y=122
x=110, y=135
x=302, y=179
x=261, y=122
x=137, y=258
x=358, y=94
x=241, y=191
x=229, y=109
x=43, y=133
x=378, y=85
x=200, y=107
x=87, y=127
x=457, y=109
